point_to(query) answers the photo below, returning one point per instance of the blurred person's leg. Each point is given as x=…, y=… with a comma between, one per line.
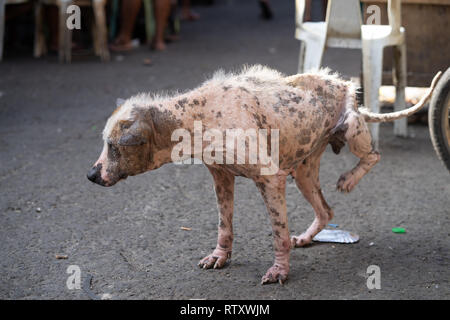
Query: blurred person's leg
x=266, y=11
x=52, y=15
x=129, y=12
x=162, y=11
x=307, y=15
x=187, y=13
x=173, y=23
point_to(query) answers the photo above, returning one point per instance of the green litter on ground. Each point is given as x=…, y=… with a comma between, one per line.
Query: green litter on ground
x=398, y=230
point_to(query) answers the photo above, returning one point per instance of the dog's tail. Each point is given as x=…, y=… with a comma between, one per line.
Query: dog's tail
x=387, y=117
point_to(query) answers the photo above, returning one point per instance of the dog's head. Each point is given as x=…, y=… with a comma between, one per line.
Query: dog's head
x=135, y=140
x=127, y=147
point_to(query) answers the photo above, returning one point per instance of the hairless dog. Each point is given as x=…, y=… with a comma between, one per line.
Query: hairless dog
x=302, y=113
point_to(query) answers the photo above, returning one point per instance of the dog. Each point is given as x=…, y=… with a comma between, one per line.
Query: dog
x=309, y=110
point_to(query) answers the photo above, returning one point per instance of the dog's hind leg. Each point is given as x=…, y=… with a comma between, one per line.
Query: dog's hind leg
x=307, y=180
x=360, y=144
x=224, y=187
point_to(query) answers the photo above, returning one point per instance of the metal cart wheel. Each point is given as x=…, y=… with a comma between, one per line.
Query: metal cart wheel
x=439, y=119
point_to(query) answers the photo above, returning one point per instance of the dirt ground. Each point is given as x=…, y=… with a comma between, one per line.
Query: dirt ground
x=128, y=237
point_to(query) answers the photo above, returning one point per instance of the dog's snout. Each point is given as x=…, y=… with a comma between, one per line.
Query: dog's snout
x=95, y=174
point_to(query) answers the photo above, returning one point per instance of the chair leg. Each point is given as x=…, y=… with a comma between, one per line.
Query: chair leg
x=102, y=34
x=301, y=57
x=2, y=27
x=313, y=54
x=372, y=70
x=40, y=47
x=65, y=35
x=400, y=78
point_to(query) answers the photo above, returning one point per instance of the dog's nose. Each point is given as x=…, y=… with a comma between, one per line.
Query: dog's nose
x=95, y=174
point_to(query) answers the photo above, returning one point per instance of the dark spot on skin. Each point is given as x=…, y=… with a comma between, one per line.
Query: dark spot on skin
x=219, y=115
x=254, y=80
x=313, y=101
x=261, y=186
x=304, y=140
x=299, y=153
x=296, y=99
x=183, y=102
x=258, y=120
x=203, y=102
x=225, y=88
x=279, y=224
x=264, y=119
x=274, y=211
x=199, y=116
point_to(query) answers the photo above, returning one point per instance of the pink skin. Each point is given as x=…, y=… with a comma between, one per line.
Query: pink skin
x=310, y=111
x=103, y=160
x=224, y=188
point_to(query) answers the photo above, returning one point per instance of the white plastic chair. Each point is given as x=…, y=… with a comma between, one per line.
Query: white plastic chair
x=342, y=29
x=374, y=39
x=3, y=3
x=99, y=31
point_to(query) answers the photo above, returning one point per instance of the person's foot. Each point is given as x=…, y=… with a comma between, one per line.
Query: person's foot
x=190, y=16
x=158, y=46
x=121, y=44
x=171, y=38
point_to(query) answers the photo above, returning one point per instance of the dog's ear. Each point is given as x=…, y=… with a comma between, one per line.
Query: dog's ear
x=133, y=135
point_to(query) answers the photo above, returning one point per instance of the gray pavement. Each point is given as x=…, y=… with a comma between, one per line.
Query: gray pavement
x=128, y=237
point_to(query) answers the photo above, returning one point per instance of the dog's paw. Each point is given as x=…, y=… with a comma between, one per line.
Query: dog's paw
x=346, y=182
x=276, y=273
x=300, y=241
x=215, y=260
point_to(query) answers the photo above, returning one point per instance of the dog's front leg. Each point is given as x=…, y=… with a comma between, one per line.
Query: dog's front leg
x=224, y=187
x=273, y=190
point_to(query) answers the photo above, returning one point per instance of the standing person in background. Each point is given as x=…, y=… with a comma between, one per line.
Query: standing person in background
x=128, y=15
